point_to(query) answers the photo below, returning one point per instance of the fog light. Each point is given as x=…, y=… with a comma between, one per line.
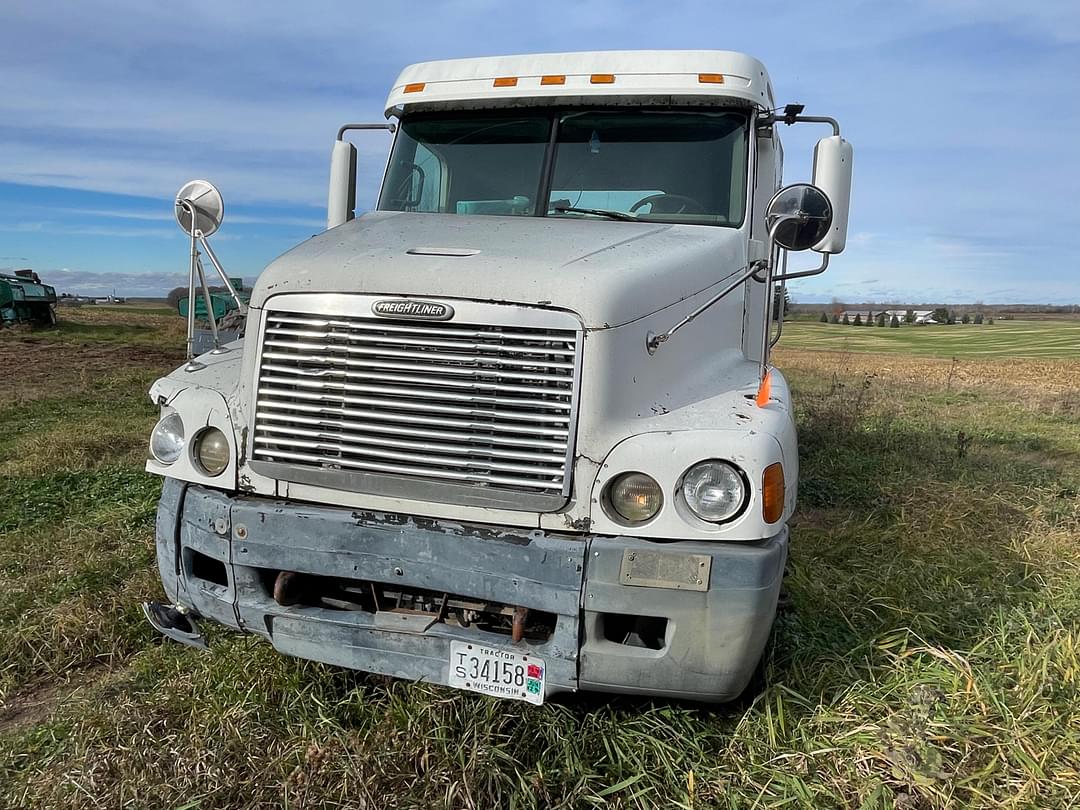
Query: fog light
x=635, y=497
x=211, y=451
x=167, y=439
x=714, y=491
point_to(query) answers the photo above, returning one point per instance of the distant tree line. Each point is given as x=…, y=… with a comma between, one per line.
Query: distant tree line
x=891, y=319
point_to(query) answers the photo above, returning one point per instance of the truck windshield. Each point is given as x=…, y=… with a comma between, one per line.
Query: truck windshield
x=656, y=166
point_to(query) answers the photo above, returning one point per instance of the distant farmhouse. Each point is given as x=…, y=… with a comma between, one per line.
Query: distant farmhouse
x=921, y=315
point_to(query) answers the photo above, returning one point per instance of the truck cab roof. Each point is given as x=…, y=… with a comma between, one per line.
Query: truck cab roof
x=706, y=78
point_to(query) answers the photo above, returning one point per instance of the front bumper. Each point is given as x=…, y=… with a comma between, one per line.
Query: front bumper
x=216, y=551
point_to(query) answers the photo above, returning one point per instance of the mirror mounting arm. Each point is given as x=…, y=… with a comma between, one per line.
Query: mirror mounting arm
x=389, y=125
x=772, y=251
x=804, y=273
x=784, y=118
x=816, y=119
x=240, y=305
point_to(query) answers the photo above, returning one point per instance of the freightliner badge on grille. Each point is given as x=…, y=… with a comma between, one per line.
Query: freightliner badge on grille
x=406, y=308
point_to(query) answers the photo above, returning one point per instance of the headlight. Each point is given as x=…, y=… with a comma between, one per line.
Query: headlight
x=167, y=439
x=211, y=451
x=714, y=490
x=635, y=497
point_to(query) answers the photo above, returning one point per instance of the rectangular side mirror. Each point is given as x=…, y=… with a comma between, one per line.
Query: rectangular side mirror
x=341, y=204
x=832, y=174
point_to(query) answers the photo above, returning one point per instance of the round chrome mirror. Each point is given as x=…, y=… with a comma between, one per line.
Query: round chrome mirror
x=801, y=215
x=199, y=206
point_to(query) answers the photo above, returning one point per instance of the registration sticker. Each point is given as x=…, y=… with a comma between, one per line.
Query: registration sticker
x=497, y=672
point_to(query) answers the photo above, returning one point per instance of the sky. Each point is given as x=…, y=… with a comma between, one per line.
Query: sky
x=961, y=114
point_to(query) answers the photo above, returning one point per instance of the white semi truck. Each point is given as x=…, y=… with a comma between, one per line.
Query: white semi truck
x=515, y=430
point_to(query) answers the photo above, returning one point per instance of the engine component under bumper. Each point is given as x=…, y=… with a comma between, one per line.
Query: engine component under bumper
x=389, y=593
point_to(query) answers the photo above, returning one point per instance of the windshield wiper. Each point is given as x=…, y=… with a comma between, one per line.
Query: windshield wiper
x=600, y=212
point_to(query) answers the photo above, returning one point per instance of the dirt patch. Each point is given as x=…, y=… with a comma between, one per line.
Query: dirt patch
x=33, y=369
x=30, y=705
x=36, y=701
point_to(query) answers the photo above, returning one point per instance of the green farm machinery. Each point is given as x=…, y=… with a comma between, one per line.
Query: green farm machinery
x=24, y=299
x=227, y=315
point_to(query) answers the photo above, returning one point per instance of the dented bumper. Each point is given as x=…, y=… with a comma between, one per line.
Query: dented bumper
x=684, y=619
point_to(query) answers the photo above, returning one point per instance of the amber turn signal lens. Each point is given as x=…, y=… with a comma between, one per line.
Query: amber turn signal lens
x=505, y=81
x=553, y=79
x=602, y=78
x=772, y=493
x=415, y=87
x=710, y=78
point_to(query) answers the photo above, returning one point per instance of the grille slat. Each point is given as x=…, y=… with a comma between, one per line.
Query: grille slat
x=398, y=430
x=392, y=377
x=441, y=421
x=420, y=471
x=406, y=405
x=475, y=405
x=286, y=434
x=439, y=371
x=435, y=343
x=389, y=327
x=368, y=351
x=471, y=465
x=332, y=387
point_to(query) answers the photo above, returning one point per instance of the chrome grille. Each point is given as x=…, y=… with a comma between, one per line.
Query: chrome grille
x=480, y=413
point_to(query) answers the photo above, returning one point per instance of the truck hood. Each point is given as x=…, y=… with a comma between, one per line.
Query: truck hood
x=608, y=272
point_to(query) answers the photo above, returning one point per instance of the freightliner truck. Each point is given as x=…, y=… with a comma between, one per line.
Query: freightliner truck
x=515, y=430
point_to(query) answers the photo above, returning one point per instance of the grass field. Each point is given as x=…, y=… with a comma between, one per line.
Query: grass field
x=1031, y=338
x=927, y=654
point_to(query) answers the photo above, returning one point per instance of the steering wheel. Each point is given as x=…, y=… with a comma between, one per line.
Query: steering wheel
x=676, y=204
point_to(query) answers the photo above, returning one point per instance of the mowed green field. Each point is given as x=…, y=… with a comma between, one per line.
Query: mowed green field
x=926, y=653
x=1040, y=339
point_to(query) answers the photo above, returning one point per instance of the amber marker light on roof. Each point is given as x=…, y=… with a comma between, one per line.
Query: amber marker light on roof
x=602, y=78
x=710, y=78
x=552, y=80
x=505, y=81
x=415, y=87
x=772, y=493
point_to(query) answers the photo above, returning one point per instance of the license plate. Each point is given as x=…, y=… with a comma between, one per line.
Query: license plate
x=497, y=672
